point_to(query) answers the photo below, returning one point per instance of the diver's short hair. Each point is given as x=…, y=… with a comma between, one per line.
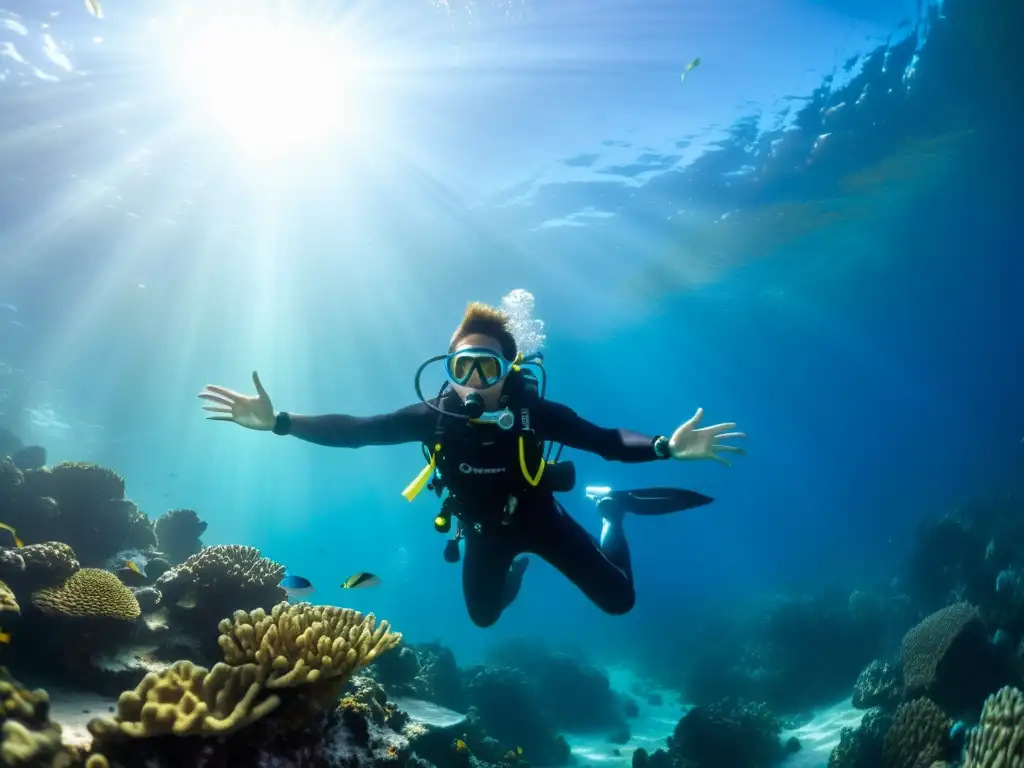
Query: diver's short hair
x=487, y=321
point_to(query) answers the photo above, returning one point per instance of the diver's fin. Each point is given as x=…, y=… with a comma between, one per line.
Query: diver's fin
x=658, y=501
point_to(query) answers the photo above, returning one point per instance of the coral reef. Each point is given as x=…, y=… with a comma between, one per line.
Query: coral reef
x=918, y=736
x=791, y=652
x=78, y=504
x=29, y=738
x=879, y=685
x=998, y=741
x=862, y=747
x=291, y=663
x=178, y=533
x=215, y=583
x=574, y=695
x=728, y=732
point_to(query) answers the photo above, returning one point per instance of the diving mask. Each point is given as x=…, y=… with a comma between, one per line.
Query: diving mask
x=486, y=363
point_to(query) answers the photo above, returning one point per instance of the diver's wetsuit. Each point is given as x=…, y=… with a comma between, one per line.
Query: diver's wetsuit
x=480, y=466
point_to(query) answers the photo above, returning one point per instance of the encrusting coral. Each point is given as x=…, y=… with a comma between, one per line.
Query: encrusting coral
x=89, y=593
x=998, y=741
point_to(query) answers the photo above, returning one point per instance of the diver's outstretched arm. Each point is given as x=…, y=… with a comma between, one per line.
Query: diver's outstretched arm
x=561, y=424
x=413, y=424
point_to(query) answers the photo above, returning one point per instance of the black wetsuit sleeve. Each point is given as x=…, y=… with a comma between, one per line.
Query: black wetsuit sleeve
x=561, y=424
x=413, y=424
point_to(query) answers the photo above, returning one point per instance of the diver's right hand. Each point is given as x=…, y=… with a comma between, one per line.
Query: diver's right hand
x=250, y=412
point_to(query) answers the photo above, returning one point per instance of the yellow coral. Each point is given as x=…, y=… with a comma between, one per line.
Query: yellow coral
x=28, y=736
x=8, y=602
x=999, y=738
x=186, y=700
x=24, y=746
x=305, y=643
x=89, y=593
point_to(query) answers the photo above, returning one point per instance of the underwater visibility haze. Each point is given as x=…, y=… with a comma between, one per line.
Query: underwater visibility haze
x=795, y=218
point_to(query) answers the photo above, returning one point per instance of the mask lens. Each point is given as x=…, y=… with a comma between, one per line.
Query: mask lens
x=462, y=365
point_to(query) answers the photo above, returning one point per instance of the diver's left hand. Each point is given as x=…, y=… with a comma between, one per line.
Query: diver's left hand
x=688, y=442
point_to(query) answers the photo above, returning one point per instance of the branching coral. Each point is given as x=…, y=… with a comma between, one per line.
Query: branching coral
x=304, y=643
x=283, y=672
x=998, y=741
x=187, y=700
x=918, y=736
x=90, y=593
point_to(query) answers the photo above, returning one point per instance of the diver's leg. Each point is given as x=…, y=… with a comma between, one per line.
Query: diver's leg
x=602, y=570
x=487, y=574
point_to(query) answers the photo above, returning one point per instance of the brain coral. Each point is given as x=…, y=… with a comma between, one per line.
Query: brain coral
x=89, y=593
x=926, y=645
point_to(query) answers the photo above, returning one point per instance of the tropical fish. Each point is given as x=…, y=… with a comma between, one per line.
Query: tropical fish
x=359, y=580
x=14, y=535
x=131, y=575
x=5, y=637
x=692, y=65
x=296, y=586
x=460, y=745
x=94, y=8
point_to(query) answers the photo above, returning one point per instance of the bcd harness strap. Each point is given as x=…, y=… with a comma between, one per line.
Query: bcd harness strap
x=524, y=428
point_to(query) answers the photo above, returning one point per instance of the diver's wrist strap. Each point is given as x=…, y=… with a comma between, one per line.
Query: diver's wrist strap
x=282, y=424
x=661, y=449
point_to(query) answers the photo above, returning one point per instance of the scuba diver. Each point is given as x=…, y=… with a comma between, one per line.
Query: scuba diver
x=483, y=438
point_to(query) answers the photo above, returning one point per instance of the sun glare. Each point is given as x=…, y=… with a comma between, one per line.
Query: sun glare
x=270, y=87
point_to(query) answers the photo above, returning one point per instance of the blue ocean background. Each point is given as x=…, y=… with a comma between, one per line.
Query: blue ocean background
x=815, y=234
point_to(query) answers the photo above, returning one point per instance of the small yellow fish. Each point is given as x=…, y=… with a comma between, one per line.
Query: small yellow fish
x=94, y=8
x=14, y=534
x=5, y=637
x=361, y=579
x=460, y=745
x=130, y=565
x=693, y=64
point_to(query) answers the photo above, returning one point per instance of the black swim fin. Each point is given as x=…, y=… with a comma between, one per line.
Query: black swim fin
x=657, y=501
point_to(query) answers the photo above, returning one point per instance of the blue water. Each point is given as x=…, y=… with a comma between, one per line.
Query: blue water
x=813, y=234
